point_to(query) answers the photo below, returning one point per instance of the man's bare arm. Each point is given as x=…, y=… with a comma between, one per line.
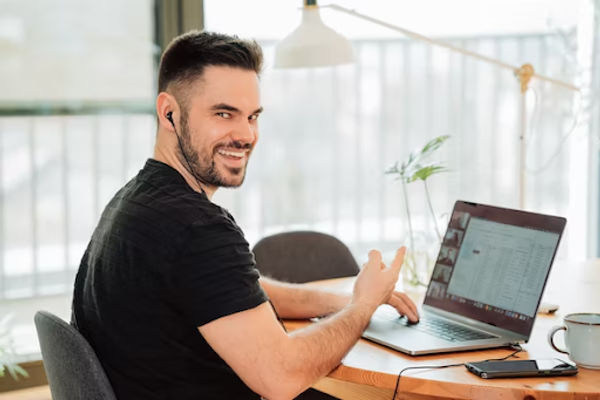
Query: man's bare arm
x=304, y=301
x=277, y=365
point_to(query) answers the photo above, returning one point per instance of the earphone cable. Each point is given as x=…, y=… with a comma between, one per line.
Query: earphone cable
x=191, y=171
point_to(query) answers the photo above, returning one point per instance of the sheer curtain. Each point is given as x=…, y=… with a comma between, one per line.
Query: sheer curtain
x=77, y=83
x=328, y=135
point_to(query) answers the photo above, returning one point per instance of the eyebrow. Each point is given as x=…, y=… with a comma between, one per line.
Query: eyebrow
x=227, y=107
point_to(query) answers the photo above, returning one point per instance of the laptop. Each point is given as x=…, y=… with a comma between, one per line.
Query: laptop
x=486, y=285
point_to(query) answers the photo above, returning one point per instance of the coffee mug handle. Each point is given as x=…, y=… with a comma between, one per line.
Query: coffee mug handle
x=551, y=338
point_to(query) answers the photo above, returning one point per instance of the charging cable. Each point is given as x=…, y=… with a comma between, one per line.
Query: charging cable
x=517, y=349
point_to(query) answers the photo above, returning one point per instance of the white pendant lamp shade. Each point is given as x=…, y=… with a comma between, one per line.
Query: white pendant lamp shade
x=313, y=44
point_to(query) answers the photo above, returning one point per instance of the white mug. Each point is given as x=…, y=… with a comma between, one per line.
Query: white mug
x=582, y=338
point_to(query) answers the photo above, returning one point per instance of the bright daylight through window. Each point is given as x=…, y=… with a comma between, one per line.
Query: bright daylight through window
x=77, y=121
x=328, y=134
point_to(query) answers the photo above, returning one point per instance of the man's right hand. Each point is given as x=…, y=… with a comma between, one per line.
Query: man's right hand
x=375, y=282
x=276, y=364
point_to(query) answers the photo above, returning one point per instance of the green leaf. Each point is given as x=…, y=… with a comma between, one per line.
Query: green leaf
x=412, y=169
x=426, y=171
x=434, y=144
x=15, y=370
x=412, y=158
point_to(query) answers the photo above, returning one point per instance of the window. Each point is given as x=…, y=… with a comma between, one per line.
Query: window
x=328, y=134
x=76, y=122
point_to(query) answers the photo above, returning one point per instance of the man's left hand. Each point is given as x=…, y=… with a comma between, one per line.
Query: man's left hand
x=404, y=305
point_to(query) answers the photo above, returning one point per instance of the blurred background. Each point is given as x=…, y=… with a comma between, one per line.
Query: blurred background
x=77, y=89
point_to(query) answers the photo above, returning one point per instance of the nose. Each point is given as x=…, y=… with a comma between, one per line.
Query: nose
x=246, y=132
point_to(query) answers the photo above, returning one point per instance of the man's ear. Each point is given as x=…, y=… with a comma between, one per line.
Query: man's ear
x=167, y=111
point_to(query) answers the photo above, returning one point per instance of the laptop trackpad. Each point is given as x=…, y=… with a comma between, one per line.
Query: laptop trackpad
x=403, y=337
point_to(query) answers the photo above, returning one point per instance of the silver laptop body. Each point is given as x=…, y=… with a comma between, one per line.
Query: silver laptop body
x=486, y=285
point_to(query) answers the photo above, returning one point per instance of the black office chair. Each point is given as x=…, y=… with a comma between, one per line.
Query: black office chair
x=303, y=256
x=73, y=369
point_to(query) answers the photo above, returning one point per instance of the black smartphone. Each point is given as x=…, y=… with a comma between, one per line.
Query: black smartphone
x=521, y=368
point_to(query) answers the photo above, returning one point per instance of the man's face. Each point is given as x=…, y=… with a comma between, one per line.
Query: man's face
x=220, y=128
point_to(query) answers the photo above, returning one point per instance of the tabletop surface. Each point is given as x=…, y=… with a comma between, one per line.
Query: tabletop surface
x=575, y=286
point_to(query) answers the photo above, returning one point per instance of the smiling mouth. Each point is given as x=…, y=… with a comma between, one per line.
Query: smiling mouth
x=232, y=153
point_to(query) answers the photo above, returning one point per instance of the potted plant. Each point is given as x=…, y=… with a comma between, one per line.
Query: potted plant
x=7, y=355
x=417, y=168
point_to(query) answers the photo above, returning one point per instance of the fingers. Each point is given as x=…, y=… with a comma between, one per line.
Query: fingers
x=404, y=305
x=398, y=259
x=411, y=304
x=375, y=258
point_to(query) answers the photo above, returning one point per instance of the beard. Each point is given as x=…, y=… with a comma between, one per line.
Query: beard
x=203, y=167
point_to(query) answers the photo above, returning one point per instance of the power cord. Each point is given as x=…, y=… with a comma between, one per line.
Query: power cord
x=517, y=349
x=560, y=147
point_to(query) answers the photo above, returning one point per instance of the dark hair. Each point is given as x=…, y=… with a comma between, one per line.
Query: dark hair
x=187, y=55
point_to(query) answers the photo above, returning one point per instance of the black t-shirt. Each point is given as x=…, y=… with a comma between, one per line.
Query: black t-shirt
x=162, y=261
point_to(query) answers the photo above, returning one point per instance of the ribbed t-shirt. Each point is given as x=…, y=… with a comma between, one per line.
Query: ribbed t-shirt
x=162, y=261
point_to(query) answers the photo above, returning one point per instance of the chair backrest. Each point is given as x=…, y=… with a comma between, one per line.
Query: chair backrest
x=304, y=256
x=72, y=367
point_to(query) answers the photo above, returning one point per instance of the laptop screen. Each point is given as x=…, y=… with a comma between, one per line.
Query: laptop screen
x=493, y=265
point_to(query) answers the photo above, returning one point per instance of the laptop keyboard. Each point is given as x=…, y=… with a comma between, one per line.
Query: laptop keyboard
x=449, y=331
x=438, y=327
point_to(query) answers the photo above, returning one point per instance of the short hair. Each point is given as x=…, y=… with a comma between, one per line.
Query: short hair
x=187, y=55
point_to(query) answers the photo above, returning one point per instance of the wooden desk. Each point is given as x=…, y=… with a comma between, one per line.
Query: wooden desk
x=369, y=370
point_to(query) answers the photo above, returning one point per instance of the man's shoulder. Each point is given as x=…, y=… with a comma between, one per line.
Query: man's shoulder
x=161, y=193
x=158, y=213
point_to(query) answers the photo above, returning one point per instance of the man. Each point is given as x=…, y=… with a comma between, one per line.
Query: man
x=167, y=292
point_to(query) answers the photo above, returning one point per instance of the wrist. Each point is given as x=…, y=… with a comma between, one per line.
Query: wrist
x=364, y=305
x=340, y=302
